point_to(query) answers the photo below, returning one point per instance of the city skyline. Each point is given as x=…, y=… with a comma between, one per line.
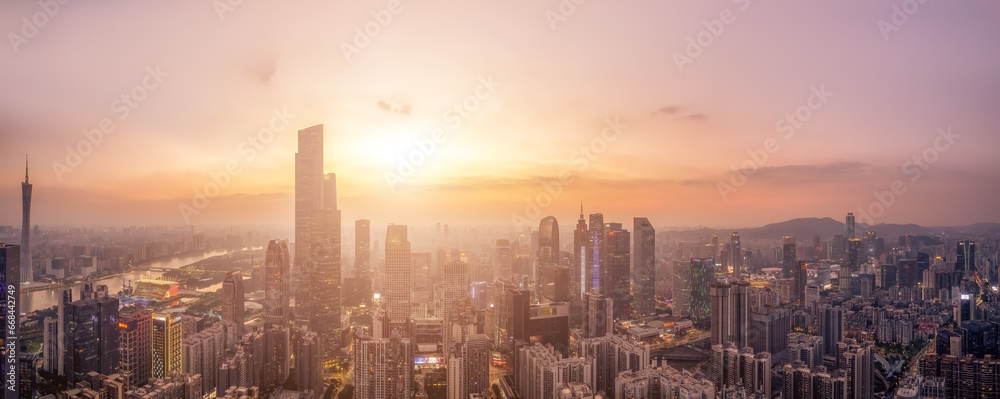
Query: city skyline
x=682, y=129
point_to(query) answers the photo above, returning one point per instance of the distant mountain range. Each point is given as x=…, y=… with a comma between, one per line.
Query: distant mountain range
x=806, y=228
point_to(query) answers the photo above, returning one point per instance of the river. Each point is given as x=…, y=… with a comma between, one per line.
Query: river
x=37, y=300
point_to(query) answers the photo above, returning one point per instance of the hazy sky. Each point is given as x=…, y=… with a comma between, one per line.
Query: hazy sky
x=225, y=73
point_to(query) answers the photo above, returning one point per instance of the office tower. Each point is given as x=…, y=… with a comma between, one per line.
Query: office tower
x=276, y=354
x=597, y=316
x=850, y=226
x=309, y=362
x=362, y=252
x=838, y=247
x=26, y=377
x=644, y=267
x=27, y=267
x=276, y=282
x=167, y=341
x=965, y=309
x=702, y=277
x=616, y=271
x=324, y=307
x=10, y=277
x=595, y=253
x=383, y=368
x=965, y=261
x=547, y=324
x=613, y=354
x=65, y=297
x=136, y=334
x=233, y=299
x=831, y=327
x=730, y=313
x=548, y=241
x=736, y=253
x=308, y=191
x=50, y=346
x=858, y=370
x=853, y=264
x=398, y=275
x=714, y=243
x=979, y=338
x=455, y=297
x=554, y=283
x=579, y=254
x=818, y=252
x=788, y=256
x=502, y=258
x=799, y=277
x=681, y=294
x=908, y=273
x=92, y=340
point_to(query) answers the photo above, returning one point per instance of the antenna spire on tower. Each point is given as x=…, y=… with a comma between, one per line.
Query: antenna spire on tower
x=25, y=168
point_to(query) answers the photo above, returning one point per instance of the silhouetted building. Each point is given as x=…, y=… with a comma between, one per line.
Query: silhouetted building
x=595, y=253
x=598, y=313
x=233, y=298
x=736, y=253
x=324, y=308
x=10, y=277
x=616, y=270
x=580, y=244
x=548, y=241
x=308, y=193
x=644, y=267
x=965, y=261
x=27, y=266
x=362, y=255
x=788, y=262
x=554, y=282
x=92, y=338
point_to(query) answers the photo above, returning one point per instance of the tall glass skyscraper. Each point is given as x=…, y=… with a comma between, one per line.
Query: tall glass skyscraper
x=644, y=267
x=10, y=265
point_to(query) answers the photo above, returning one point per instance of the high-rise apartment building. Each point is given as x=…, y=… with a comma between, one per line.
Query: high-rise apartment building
x=383, y=368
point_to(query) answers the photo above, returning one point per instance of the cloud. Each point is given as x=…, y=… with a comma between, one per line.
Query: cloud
x=399, y=109
x=671, y=110
x=694, y=117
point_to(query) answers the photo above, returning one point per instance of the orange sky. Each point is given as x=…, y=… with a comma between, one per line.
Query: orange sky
x=553, y=92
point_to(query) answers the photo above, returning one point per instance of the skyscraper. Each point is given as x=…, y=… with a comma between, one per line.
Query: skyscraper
x=799, y=277
x=850, y=226
x=324, y=310
x=644, y=267
x=722, y=313
x=276, y=284
x=736, y=252
x=398, y=275
x=502, y=258
x=831, y=327
x=136, y=332
x=308, y=191
x=965, y=261
x=616, y=272
x=598, y=314
x=548, y=241
x=788, y=257
x=702, y=277
x=167, y=341
x=10, y=265
x=309, y=362
x=27, y=269
x=362, y=252
x=232, y=299
x=595, y=253
x=383, y=368
x=577, y=275
x=92, y=340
